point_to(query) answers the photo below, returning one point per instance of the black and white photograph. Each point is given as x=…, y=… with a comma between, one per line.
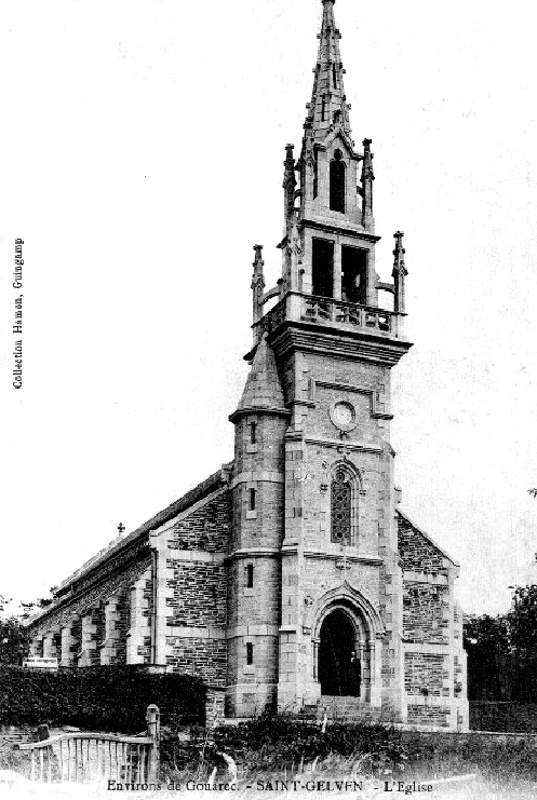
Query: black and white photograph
x=268, y=383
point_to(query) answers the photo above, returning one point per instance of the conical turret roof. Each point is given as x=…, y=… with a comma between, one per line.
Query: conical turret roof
x=263, y=389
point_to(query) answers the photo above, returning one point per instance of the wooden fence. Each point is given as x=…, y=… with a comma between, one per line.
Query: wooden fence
x=83, y=757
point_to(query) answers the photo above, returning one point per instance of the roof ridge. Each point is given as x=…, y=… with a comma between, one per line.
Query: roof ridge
x=159, y=518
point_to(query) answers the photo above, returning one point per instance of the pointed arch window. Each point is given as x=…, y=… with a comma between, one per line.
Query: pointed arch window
x=337, y=183
x=341, y=508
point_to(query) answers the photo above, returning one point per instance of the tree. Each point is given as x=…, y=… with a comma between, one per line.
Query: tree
x=522, y=621
x=486, y=641
x=14, y=642
x=502, y=651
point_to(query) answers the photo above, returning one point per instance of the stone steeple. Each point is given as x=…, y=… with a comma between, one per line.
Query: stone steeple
x=328, y=104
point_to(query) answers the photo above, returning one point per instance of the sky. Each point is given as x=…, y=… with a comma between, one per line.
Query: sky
x=141, y=158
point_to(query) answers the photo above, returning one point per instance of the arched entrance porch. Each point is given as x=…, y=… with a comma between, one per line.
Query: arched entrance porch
x=346, y=647
x=340, y=667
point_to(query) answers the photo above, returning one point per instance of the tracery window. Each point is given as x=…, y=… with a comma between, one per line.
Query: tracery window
x=341, y=508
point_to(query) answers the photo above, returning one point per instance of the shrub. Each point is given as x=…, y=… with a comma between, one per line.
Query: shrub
x=97, y=698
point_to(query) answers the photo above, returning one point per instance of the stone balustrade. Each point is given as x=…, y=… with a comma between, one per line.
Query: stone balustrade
x=295, y=307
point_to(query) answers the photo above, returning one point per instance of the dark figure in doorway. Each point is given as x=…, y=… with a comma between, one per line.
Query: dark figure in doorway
x=355, y=675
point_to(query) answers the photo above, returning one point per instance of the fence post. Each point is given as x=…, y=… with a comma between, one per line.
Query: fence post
x=43, y=733
x=153, y=731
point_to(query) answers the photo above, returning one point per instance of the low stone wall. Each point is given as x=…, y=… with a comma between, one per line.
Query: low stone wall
x=503, y=716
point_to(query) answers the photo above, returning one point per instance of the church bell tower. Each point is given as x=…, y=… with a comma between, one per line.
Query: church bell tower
x=315, y=611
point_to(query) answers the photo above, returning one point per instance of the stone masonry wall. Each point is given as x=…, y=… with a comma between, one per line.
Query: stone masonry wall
x=433, y=668
x=436, y=716
x=195, y=591
x=206, y=528
x=204, y=658
x=199, y=594
x=424, y=673
x=425, y=613
x=417, y=552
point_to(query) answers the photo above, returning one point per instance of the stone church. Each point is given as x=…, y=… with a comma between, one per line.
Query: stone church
x=291, y=579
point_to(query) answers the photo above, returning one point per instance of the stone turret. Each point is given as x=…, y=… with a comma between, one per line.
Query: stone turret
x=257, y=501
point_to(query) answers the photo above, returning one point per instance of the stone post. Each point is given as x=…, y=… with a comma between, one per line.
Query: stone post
x=89, y=640
x=336, y=277
x=153, y=731
x=109, y=648
x=36, y=647
x=50, y=647
x=69, y=642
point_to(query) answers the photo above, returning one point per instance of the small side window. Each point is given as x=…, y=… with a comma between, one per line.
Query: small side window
x=250, y=576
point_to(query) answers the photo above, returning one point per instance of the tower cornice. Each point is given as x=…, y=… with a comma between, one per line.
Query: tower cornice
x=333, y=342
x=274, y=412
x=344, y=227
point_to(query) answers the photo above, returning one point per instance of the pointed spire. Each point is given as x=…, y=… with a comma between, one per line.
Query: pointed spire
x=399, y=273
x=263, y=388
x=258, y=282
x=328, y=104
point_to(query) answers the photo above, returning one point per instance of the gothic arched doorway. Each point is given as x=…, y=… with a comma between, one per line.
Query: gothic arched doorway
x=339, y=665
